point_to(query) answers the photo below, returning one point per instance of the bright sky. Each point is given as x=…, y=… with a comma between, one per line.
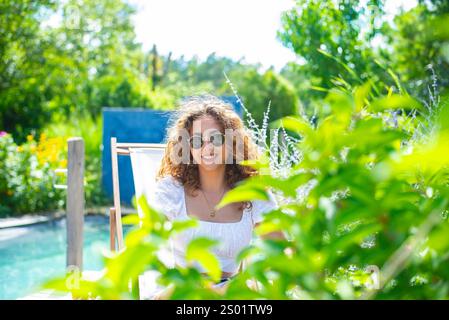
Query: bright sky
x=232, y=28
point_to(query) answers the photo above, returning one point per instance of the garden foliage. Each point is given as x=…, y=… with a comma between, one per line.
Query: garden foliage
x=370, y=194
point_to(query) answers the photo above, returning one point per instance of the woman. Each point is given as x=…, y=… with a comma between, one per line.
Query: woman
x=200, y=165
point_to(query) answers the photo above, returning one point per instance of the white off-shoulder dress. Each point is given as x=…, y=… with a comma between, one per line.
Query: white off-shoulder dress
x=168, y=197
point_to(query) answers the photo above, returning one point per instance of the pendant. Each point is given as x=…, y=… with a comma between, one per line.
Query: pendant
x=212, y=213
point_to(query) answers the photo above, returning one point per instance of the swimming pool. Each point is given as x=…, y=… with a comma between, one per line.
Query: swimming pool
x=32, y=254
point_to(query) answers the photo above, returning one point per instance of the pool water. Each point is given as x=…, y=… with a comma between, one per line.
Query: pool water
x=31, y=255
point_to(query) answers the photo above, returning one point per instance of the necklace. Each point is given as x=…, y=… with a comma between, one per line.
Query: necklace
x=213, y=211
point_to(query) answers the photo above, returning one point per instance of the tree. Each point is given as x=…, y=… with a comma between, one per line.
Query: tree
x=333, y=37
x=87, y=59
x=96, y=42
x=22, y=49
x=339, y=42
x=258, y=90
x=412, y=40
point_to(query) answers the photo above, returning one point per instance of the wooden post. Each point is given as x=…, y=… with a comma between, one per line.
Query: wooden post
x=75, y=203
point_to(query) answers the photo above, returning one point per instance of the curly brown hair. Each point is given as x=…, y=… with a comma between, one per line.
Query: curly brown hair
x=187, y=173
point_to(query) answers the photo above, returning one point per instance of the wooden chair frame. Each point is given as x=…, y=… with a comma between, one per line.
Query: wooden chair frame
x=115, y=212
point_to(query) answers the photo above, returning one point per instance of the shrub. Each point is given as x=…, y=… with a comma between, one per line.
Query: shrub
x=27, y=174
x=90, y=129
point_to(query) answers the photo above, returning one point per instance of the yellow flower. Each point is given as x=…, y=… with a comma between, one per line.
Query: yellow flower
x=50, y=150
x=63, y=163
x=19, y=149
x=30, y=137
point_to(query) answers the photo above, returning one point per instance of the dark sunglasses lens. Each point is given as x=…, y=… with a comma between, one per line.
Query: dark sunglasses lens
x=217, y=139
x=196, y=142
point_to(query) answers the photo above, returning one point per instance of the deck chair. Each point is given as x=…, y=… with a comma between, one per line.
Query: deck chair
x=145, y=162
x=143, y=155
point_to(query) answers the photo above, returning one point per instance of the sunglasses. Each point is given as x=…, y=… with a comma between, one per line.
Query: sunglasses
x=197, y=141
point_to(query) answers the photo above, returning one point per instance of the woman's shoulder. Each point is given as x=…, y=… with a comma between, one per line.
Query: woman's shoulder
x=168, y=183
x=167, y=196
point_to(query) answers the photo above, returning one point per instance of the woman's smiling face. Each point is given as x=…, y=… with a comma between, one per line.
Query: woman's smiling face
x=208, y=156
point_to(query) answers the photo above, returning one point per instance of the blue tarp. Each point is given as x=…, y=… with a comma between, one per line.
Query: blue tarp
x=133, y=125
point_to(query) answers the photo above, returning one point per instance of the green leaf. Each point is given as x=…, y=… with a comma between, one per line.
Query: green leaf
x=439, y=239
x=181, y=225
x=131, y=219
x=317, y=88
x=395, y=101
x=150, y=215
x=361, y=96
x=198, y=250
x=267, y=227
x=287, y=186
x=243, y=193
x=247, y=252
x=262, y=163
x=295, y=124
